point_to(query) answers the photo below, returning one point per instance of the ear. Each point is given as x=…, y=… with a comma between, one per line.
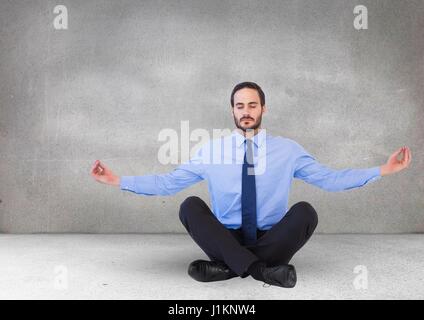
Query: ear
x=264, y=108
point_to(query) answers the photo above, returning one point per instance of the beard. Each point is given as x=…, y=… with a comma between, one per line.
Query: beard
x=253, y=126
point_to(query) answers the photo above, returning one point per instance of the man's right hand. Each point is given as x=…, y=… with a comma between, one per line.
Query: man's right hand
x=104, y=175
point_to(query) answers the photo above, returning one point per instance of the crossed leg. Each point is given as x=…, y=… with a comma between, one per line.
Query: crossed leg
x=275, y=246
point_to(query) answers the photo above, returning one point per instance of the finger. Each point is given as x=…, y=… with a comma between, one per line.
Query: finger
x=397, y=155
x=406, y=157
x=94, y=168
x=95, y=164
x=97, y=170
x=409, y=156
x=394, y=155
x=404, y=150
x=398, y=152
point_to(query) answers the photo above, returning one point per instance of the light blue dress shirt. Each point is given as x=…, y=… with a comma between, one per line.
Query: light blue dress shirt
x=277, y=161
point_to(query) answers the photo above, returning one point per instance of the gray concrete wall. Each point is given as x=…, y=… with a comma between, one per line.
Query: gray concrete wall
x=125, y=70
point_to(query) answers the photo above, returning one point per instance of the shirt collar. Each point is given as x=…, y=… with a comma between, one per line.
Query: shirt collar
x=258, y=139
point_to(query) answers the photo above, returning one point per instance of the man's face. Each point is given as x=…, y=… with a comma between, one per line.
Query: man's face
x=247, y=109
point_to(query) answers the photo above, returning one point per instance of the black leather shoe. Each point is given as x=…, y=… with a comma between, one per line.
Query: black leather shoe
x=282, y=276
x=206, y=271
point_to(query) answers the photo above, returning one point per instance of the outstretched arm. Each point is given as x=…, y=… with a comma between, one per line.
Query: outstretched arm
x=311, y=171
x=163, y=184
x=394, y=165
x=170, y=183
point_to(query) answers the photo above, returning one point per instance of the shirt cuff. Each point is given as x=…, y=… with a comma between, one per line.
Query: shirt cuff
x=127, y=183
x=375, y=173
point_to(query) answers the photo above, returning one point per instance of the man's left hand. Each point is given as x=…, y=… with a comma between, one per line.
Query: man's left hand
x=394, y=165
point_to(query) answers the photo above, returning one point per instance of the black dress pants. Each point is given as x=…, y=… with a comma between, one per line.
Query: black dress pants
x=275, y=246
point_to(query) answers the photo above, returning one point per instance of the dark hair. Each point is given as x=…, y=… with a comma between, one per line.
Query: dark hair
x=250, y=85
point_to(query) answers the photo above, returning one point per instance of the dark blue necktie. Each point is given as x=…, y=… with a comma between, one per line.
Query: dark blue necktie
x=248, y=196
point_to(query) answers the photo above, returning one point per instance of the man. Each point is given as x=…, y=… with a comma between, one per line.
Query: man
x=249, y=230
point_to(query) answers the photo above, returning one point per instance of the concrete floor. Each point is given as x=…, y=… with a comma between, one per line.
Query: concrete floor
x=153, y=266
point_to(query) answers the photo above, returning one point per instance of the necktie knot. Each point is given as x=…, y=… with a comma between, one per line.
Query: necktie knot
x=248, y=156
